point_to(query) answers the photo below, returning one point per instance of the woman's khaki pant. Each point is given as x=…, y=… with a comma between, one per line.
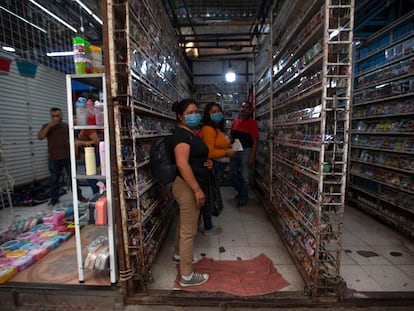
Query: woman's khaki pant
x=187, y=224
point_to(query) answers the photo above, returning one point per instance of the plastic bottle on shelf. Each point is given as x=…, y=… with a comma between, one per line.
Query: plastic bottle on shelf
x=81, y=114
x=99, y=113
x=90, y=112
x=90, y=161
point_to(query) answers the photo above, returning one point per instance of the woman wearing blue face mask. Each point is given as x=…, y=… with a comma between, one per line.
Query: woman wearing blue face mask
x=191, y=156
x=218, y=148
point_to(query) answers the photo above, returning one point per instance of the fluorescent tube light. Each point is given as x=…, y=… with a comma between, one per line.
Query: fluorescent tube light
x=9, y=49
x=89, y=11
x=52, y=54
x=23, y=19
x=84, y=6
x=53, y=15
x=97, y=19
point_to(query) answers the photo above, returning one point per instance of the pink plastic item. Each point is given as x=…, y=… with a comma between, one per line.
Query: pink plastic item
x=55, y=218
x=40, y=252
x=6, y=262
x=24, y=262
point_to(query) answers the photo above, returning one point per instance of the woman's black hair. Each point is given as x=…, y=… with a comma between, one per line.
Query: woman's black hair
x=181, y=106
x=207, y=119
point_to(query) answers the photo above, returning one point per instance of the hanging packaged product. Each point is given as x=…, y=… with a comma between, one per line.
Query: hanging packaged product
x=96, y=59
x=81, y=55
x=90, y=161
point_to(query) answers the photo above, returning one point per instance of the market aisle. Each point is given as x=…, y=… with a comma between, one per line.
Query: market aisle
x=247, y=233
x=374, y=257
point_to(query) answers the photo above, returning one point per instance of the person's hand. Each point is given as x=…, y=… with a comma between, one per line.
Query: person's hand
x=200, y=198
x=209, y=164
x=53, y=123
x=230, y=152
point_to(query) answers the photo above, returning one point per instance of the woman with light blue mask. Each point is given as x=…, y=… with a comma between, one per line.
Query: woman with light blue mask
x=191, y=157
x=219, y=149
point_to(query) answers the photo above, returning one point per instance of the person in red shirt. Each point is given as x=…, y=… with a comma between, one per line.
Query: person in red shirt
x=244, y=133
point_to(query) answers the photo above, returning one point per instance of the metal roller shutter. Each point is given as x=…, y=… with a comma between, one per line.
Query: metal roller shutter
x=24, y=108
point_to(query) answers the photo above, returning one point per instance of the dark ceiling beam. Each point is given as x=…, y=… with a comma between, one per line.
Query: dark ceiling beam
x=225, y=56
x=218, y=23
x=224, y=46
x=201, y=40
x=233, y=34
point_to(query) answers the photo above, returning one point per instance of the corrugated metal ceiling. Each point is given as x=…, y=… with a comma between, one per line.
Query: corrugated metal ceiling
x=219, y=29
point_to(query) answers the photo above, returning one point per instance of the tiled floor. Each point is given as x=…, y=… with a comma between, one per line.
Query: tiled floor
x=247, y=232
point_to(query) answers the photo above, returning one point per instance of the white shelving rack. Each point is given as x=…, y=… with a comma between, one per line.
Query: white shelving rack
x=96, y=82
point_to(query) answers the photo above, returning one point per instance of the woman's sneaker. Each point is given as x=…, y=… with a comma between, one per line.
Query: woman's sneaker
x=214, y=230
x=196, y=279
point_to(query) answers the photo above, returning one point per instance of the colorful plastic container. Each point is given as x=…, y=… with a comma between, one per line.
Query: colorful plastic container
x=7, y=273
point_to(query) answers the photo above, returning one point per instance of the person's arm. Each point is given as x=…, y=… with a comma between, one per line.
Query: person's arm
x=92, y=139
x=253, y=152
x=182, y=155
x=44, y=131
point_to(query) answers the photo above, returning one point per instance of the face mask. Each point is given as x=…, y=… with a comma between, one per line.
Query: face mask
x=216, y=117
x=192, y=120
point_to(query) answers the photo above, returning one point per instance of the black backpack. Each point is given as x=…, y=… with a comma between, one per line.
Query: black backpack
x=162, y=160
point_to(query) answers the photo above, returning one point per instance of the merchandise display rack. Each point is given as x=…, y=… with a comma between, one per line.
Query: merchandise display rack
x=309, y=108
x=96, y=82
x=229, y=96
x=148, y=75
x=263, y=115
x=382, y=140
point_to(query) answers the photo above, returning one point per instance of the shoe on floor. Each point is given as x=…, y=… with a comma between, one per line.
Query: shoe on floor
x=213, y=231
x=53, y=202
x=196, y=279
x=176, y=259
x=242, y=203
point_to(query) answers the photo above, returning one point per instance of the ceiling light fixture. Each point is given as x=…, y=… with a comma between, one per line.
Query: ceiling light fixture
x=53, y=54
x=23, y=19
x=230, y=75
x=53, y=15
x=8, y=49
x=89, y=11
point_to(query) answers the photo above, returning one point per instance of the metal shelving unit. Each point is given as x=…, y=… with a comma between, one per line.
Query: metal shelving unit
x=147, y=76
x=382, y=147
x=309, y=107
